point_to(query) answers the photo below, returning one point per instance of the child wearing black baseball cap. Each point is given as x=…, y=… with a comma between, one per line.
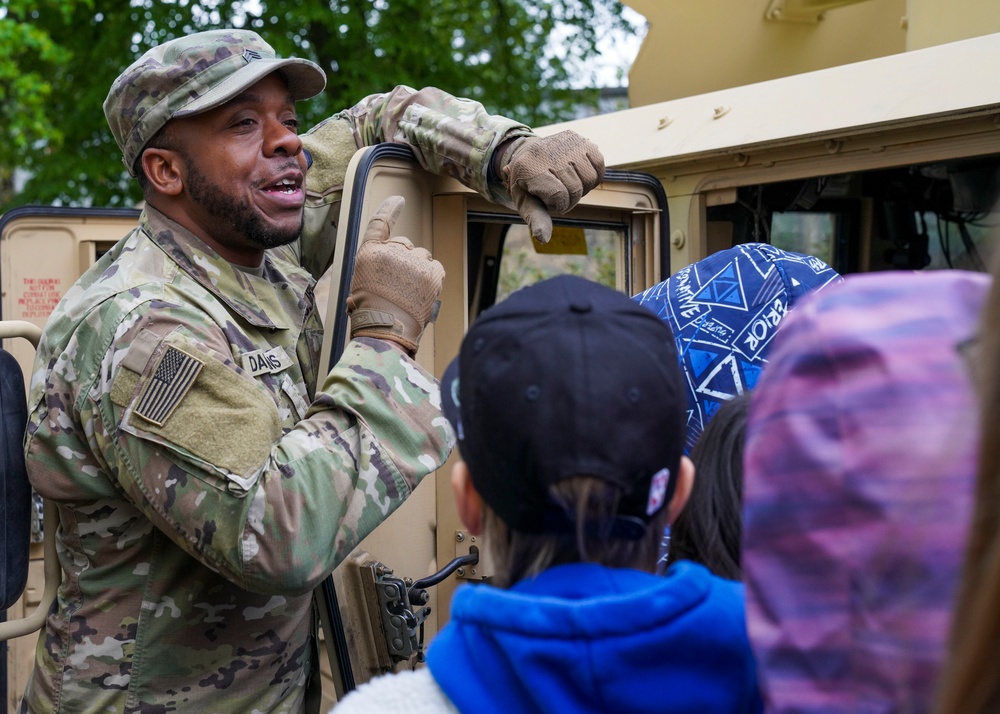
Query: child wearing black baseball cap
x=569, y=407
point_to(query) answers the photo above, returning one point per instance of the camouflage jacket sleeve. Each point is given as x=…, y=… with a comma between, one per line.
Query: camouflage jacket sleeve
x=201, y=448
x=448, y=135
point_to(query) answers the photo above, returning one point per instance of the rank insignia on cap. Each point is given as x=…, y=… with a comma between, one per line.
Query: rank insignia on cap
x=172, y=379
x=251, y=55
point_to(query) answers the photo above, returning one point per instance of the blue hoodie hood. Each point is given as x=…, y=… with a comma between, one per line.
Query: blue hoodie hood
x=586, y=638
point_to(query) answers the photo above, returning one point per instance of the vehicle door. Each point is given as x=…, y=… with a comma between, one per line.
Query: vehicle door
x=616, y=236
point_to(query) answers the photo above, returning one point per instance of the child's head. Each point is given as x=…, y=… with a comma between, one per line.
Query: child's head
x=568, y=403
x=709, y=529
x=724, y=310
x=859, y=466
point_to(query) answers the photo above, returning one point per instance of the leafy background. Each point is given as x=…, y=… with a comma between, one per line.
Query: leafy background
x=58, y=58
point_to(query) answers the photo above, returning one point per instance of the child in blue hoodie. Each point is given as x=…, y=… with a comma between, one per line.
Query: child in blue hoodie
x=569, y=408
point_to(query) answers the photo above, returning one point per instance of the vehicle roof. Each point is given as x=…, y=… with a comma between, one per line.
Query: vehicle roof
x=906, y=89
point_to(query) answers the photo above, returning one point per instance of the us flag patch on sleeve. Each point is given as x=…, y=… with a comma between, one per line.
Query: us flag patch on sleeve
x=172, y=379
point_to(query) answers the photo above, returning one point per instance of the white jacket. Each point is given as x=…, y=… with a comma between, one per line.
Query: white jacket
x=409, y=692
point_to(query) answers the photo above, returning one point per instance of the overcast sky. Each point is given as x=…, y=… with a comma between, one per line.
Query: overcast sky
x=618, y=53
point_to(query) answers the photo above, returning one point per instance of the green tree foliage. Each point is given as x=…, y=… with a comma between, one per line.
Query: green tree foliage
x=27, y=56
x=58, y=59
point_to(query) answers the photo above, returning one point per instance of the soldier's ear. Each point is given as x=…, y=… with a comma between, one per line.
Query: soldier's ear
x=164, y=170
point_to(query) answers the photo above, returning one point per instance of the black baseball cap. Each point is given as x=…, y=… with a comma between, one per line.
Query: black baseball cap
x=568, y=378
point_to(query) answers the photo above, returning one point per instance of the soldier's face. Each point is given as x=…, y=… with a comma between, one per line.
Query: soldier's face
x=244, y=172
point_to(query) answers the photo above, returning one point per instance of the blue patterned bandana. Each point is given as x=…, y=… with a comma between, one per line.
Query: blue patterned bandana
x=723, y=311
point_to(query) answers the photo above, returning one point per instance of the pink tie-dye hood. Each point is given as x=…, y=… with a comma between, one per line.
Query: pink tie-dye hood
x=860, y=466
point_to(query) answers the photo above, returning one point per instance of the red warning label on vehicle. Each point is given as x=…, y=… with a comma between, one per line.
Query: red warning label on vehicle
x=39, y=297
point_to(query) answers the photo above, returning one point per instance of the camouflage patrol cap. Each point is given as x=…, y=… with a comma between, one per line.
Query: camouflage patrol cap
x=193, y=74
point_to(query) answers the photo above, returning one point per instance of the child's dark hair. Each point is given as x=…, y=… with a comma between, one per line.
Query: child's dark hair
x=709, y=529
x=516, y=556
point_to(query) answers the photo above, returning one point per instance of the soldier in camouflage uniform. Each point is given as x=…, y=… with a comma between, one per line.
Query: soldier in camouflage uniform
x=204, y=485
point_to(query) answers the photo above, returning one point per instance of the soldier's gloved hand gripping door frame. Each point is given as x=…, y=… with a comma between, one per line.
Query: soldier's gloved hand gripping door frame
x=549, y=175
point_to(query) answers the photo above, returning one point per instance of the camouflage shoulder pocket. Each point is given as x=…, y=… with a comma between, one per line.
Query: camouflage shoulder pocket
x=185, y=398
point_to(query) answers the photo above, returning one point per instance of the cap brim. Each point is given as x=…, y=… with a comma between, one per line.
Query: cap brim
x=305, y=79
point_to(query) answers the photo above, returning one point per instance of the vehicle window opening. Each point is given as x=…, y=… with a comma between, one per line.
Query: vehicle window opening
x=921, y=217
x=102, y=247
x=503, y=257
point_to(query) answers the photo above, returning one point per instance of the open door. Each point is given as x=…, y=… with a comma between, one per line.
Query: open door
x=617, y=236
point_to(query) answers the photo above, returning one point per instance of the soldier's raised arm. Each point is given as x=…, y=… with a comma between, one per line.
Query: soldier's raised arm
x=500, y=158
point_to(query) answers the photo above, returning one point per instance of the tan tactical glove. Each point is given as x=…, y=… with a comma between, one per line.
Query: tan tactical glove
x=549, y=175
x=395, y=289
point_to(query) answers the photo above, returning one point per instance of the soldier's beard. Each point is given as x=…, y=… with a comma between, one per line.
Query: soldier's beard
x=241, y=216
